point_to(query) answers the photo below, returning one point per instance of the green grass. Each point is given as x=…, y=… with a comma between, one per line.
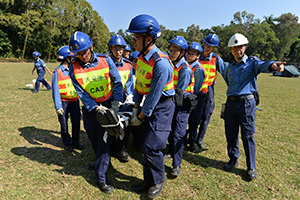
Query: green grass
x=33, y=164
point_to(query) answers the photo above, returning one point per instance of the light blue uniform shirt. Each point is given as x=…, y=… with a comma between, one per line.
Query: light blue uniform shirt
x=162, y=74
x=241, y=77
x=199, y=76
x=55, y=89
x=39, y=64
x=117, y=88
x=129, y=84
x=184, y=76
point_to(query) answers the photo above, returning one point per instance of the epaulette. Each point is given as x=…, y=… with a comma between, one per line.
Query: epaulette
x=215, y=55
x=254, y=57
x=101, y=55
x=184, y=66
x=55, y=69
x=156, y=57
x=126, y=60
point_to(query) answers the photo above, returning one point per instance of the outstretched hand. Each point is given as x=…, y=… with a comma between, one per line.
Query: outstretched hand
x=278, y=66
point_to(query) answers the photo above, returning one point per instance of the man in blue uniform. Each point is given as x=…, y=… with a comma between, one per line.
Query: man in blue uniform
x=154, y=79
x=98, y=85
x=116, y=46
x=66, y=100
x=40, y=66
x=209, y=61
x=240, y=77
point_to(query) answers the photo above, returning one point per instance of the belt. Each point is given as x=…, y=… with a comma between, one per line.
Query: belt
x=164, y=99
x=240, y=98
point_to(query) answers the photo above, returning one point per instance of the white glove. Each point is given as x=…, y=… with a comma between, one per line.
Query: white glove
x=129, y=99
x=100, y=108
x=135, y=111
x=60, y=111
x=136, y=121
x=115, y=106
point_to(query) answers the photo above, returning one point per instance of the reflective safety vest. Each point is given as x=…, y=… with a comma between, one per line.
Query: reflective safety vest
x=124, y=72
x=190, y=87
x=66, y=88
x=144, y=73
x=94, y=80
x=204, y=87
x=210, y=68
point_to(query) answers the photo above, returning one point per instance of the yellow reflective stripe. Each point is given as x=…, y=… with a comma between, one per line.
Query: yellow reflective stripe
x=70, y=90
x=124, y=76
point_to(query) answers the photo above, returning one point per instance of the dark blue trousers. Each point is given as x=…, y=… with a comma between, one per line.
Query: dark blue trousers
x=195, y=119
x=101, y=148
x=40, y=79
x=73, y=109
x=209, y=106
x=241, y=114
x=157, y=130
x=177, y=135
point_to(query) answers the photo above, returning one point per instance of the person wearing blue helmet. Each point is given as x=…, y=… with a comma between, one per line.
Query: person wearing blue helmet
x=40, y=66
x=184, y=81
x=193, y=53
x=116, y=46
x=154, y=80
x=99, y=87
x=209, y=61
x=66, y=100
x=127, y=51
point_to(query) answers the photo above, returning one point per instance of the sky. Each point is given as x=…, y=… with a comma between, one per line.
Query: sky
x=175, y=14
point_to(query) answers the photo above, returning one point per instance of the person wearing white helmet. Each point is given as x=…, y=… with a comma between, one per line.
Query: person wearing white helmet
x=240, y=77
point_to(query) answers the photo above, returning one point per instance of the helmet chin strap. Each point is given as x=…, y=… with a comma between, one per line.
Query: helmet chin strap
x=179, y=57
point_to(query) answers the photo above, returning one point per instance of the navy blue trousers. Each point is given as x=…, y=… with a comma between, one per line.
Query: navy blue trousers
x=40, y=79
x=73, y=109
x=241, y=114
x=209, y=106
x=195, y=119
x=101, y=148
x=177, y=135
x=157, y=130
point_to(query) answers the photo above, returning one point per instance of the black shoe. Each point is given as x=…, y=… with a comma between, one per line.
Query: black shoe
x=231, y=165
x=78, y=146
x=105, y=188
x=141, y=188
x=68, y=148
x=155, y=190
x=124, y=156
x=194, y=148
x=176, y=171
x=200, y=144
x=167, y=156
x=92, y=165
x=252, y=174
x=34, y=91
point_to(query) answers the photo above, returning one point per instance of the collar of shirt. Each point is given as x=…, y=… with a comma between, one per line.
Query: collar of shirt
x=63, y=68
x=195, y=63
x=244, y=60
x=206, y=58
x=180, y=63
x=91, y=64
x=116, y=63
x=150, y=53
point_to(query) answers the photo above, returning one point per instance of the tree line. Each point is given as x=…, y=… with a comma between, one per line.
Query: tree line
x=46, y=25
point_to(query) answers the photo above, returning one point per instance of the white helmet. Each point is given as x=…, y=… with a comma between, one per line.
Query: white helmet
x=237, y=40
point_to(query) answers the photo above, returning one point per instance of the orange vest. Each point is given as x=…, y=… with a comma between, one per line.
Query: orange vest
x=204, y=87
x=94, y=80
x=144, y=74
x=66, y=87
x=210, y=68
x=124, y=72
x=190, y=87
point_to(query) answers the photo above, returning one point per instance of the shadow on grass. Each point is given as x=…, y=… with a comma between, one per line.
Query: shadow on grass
x=71, y=163
x=205, y=162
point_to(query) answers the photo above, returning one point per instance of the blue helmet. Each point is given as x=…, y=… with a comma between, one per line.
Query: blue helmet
x=64, y=52
x=35, y=54
x=79, y=41
x=127, y=48
x=144, y=23
x=212, y=40
x=116, y=40
x=195, y=46
x=180, y=42
x=135, y=54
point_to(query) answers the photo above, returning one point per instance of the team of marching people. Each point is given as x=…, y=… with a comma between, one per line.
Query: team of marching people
x=170, y=93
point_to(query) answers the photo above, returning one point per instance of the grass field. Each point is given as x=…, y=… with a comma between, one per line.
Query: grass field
x=33, y=164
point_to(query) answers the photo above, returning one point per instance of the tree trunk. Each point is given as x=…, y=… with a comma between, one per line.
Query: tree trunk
x=27, y=32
